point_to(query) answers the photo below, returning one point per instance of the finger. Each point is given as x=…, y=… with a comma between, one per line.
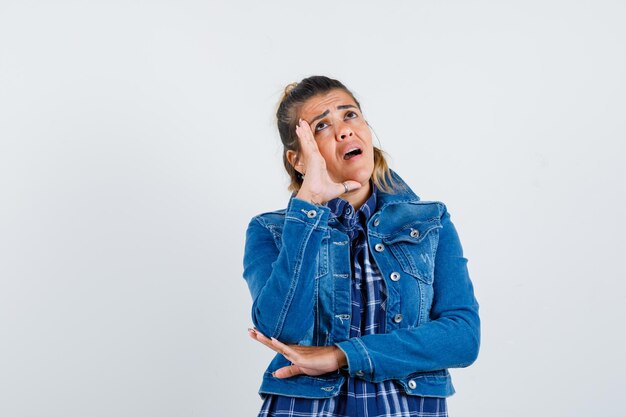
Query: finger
x=305, y=134
x=259, y=337
x=287, y=371
x=284, y=349
x=349, y=185
x=252, y=334
x=264, y=339
x=304, y=131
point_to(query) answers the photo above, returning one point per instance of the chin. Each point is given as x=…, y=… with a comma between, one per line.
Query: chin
x=363, y=176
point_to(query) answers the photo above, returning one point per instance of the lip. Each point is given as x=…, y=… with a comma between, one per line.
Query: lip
x=349, y=148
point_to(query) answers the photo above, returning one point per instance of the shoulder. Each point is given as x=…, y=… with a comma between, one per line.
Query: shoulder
x=265, y=227
x=403, y=215
x=404, y=199
x=269, y=218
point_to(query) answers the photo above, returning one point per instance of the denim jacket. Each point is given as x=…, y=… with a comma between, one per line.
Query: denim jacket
x=297, y=265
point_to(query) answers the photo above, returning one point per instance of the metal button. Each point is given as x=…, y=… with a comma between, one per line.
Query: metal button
x=412, y=384
x=359, y=373
x=394, y=276
x=415, y=233
x=376, y=221
x=311, y=213
x=379, y=247
x=397, y=318
x=348, y=210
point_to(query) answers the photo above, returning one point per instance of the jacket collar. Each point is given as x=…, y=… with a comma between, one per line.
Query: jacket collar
x=402, y=192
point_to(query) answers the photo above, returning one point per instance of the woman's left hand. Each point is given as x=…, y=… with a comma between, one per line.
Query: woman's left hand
x=308, y=360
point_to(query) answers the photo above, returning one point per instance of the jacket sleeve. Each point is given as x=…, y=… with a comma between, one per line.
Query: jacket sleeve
x=280, y=273
x=450, y=339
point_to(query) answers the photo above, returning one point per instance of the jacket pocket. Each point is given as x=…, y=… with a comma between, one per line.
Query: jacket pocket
x=428, y=384
x=414, y=248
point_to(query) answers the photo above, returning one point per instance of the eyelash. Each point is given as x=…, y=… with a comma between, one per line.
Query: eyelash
x=351, y=113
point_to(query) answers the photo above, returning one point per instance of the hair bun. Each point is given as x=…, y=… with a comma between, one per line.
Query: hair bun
x=288, y=89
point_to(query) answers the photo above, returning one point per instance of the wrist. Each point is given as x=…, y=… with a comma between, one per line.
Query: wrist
x=340, y=357
x=308, y=197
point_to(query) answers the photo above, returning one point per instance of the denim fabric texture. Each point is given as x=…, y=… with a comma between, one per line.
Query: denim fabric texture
x=298, y=268
x=356, y=396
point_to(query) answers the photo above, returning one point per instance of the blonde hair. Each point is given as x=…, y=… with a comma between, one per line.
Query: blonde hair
x=295, y=95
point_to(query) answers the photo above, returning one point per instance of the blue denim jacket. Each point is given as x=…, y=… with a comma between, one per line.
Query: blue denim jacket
x=298, y=268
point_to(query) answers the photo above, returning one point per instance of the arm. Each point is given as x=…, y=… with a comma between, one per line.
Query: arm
x=281, y=280
x=452, y=337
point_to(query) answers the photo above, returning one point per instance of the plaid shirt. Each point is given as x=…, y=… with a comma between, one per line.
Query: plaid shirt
x=358, y=397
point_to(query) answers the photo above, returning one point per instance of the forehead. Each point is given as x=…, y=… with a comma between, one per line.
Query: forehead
x=317, y=105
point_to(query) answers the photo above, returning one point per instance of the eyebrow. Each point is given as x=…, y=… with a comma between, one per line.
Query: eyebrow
x=341, y=107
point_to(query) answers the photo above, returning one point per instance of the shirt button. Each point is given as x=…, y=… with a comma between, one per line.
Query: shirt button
x=397, y=318
x=415, y=233
x=311, y=214
x=376, y=221
x=412, y=384
x=349, y=211
x=395, y=276
x=359, y=373
x=379, y=247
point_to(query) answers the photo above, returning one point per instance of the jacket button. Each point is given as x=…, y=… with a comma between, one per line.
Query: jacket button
x=412, y=384
x=311, y=214
x=395, y=276
x=415, y=233
x=376, y=221
x=397, y=318
x=379, y=247
x=359, y=373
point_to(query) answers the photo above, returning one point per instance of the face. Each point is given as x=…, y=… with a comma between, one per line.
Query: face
x=342, y=136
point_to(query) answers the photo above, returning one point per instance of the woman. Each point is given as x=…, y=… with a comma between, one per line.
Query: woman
x=359, y=287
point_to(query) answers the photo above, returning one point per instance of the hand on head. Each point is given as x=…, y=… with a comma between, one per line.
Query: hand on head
x=317, y=187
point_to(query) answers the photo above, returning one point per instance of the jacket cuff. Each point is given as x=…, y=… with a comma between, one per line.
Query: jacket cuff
x=306, y=212
x=359, y=361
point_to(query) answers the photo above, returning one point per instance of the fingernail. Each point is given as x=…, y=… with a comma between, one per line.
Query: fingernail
x=274, y=374
x=250, y=329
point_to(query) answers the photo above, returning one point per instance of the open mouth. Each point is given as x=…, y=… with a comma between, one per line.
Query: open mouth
x=352, y=153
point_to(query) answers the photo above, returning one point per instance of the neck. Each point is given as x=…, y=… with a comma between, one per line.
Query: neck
x=358, y=197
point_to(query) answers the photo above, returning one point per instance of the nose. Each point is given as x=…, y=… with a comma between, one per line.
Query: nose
x=343, y=132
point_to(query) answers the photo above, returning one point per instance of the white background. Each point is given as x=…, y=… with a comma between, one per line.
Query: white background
x=137, y=139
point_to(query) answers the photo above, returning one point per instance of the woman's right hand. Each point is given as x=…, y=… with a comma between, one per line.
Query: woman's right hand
x=317, y=186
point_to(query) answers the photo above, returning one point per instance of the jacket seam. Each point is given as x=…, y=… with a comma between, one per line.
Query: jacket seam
x=292, y=285
x=367, y=355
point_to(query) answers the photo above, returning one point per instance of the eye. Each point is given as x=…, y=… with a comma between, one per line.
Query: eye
x=351, y=115
x=320, y=126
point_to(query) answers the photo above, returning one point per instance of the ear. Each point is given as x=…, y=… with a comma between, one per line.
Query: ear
x=292, y=157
